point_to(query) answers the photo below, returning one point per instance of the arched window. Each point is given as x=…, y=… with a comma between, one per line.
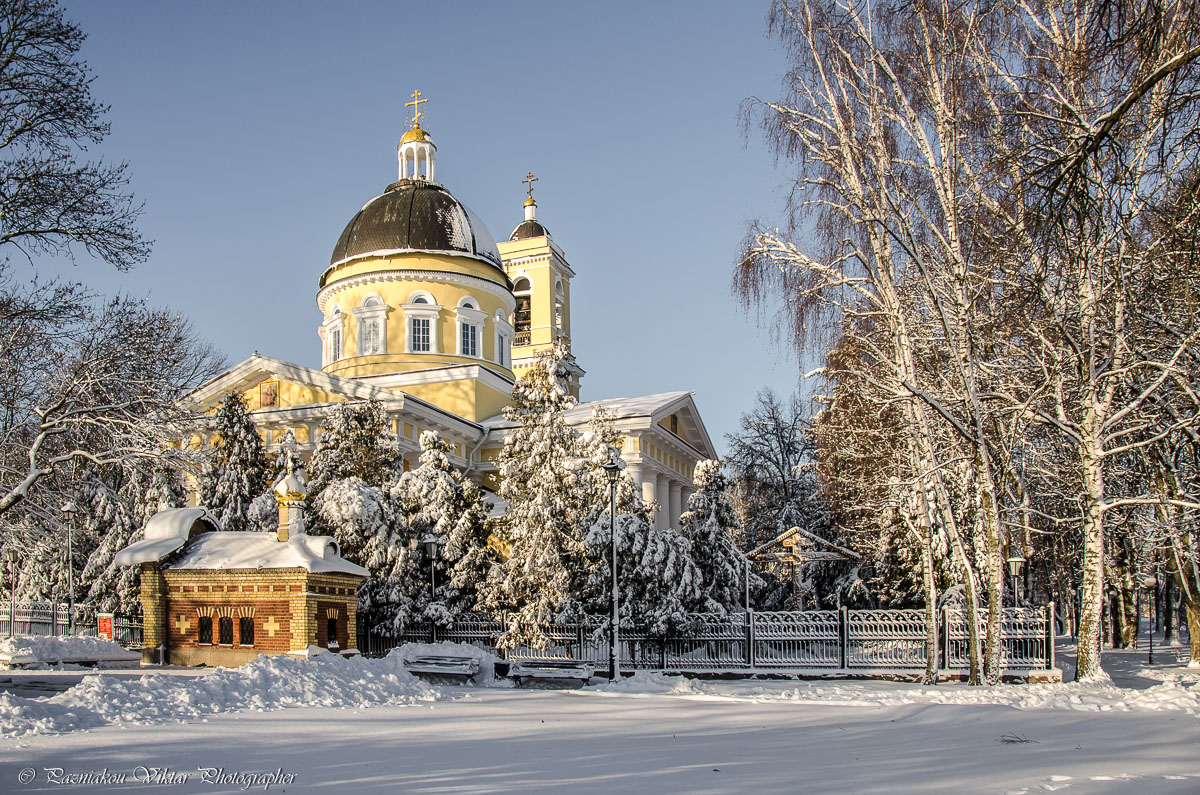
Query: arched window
x=333, y=329
x=421, y=321
x=225, y=630
x=504, y=338
x=558, y=306
x=523, y=316
x=372, y=326
x=470, y=328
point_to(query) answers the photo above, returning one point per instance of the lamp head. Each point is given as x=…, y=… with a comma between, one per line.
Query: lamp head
x=1015, y=563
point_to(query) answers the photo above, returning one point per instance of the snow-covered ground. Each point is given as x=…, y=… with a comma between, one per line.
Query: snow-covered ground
x=369, y=726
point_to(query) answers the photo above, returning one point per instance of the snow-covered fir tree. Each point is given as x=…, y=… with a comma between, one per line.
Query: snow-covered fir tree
x=540, y=466
x=371, y=533
x=439, y=505
x=239, y=469
x=709, y=525
x=357, y=442
x=657, y=582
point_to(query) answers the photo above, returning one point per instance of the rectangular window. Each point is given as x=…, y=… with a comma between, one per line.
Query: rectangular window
x=205, y=630
x=370, y=337
x=246, y=631
x=225, y=628
x=470, y=340
x=335, y=345
x=502, y=353
x=419, y=334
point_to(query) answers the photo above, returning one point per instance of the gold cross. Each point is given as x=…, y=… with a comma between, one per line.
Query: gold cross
x=529, y=180
x=271, y=625
x=416, y=106
x=182, y=624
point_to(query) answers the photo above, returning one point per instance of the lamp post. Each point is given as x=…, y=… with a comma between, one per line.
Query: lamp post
x=430, y=545
x=12, y=592
x=613, y=470
x=747, y=584
x=1016, y=562
x=68, y=511
x=1150, y=583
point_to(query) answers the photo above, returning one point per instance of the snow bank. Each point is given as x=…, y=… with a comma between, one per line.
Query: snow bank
x=267, y=683
x=651, y=683
x=1178, y=693
x=27, y=650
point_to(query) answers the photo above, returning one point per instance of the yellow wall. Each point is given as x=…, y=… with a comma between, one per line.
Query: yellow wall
x=471, y=400
x=396, y=294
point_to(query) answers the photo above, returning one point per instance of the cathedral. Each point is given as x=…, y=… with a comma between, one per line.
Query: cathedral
x=425, y=312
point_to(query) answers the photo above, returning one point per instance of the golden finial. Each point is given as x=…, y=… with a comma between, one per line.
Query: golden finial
x=529, y=180
x=416, y=106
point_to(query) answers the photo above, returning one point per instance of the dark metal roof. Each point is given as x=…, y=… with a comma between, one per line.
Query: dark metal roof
x=528, y=229
x=414, y=215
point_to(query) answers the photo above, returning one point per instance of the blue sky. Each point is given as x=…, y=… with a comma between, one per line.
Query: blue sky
x=254, y=131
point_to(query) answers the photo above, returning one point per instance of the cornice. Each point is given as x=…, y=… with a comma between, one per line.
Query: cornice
x=408, y=275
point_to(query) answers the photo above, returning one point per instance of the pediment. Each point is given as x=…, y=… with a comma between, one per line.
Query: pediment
x=295, y=384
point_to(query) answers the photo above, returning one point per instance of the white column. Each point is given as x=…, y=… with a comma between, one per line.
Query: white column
x=648, y=488
x=664, y=502
x=676, y=500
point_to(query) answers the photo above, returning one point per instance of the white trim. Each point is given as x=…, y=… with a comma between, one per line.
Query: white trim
x=502, y=341
x=404, y=275
x=333, y=331
x=430, y=312
x=365, y=315
x=469, y=317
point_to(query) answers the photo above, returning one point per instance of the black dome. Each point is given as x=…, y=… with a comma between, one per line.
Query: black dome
x=528, y=229
x=414, y=215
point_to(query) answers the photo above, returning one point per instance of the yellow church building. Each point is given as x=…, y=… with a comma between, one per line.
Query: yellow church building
x=425, y=312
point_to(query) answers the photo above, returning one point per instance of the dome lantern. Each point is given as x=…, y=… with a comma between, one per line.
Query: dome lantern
x=416, y=149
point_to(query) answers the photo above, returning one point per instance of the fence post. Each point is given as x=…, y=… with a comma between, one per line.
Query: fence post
x=1050, y=636
x=844, y=637
x=750, y=640
x=432, y=631
x=946, y=638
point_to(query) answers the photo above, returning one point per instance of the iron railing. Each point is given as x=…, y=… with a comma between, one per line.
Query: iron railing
x=846, y=640
x=51, y=618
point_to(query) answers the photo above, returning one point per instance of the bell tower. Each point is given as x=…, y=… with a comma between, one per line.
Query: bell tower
x=541, y=280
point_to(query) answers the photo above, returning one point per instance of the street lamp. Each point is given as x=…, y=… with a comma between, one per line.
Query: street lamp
x=1150, y=583
x=68, y=511
x=1016, y=562
x=747, y=584
x=12, y=592
x=430, y=545
x=613, y=470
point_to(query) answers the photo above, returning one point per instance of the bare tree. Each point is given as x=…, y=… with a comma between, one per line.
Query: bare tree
x=50, y=199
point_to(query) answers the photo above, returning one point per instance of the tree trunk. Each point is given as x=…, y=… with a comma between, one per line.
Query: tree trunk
x=1090, y=631
x=1193, y=622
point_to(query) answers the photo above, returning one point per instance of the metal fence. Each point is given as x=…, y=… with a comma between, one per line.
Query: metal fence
x=51, y=618
x=821, y=640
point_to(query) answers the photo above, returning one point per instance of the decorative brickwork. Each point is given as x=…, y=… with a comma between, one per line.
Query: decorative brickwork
x=290, y=610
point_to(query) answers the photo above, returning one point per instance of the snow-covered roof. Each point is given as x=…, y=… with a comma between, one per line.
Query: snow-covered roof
x=236, y=550
x=166, y=532
x=651, y=407
x=620, y=408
